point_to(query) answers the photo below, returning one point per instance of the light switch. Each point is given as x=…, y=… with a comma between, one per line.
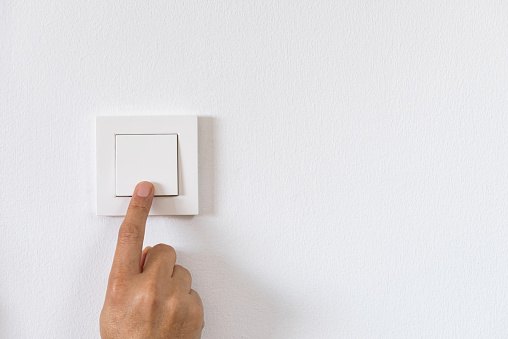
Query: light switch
x=147, y=157
x=162, y=149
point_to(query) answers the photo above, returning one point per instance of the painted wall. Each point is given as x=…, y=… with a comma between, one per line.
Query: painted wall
x=353, y=162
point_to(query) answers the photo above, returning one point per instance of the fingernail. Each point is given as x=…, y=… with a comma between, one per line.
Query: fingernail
x=144, y=189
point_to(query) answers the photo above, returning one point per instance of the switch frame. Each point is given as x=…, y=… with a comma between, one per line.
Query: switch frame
x=185, y=126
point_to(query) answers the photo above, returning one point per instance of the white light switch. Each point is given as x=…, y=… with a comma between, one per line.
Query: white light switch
x=147, y=157
x=162, y=149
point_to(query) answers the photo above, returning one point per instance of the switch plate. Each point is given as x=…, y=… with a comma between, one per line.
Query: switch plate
x=146, y=157
x=184, y=128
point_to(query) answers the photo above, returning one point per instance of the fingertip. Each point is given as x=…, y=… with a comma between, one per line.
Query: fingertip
x=144, y=189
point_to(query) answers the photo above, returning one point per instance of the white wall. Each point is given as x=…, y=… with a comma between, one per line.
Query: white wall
x=353, y=162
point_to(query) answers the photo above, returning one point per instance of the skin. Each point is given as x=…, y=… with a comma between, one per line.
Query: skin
x=148, y=296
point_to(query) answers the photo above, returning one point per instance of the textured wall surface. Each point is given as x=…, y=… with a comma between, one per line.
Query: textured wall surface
x=353, y=162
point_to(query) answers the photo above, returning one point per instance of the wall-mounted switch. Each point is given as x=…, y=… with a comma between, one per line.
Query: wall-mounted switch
x=159, y=149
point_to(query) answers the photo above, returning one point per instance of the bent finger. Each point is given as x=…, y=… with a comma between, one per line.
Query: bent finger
x=160, y=260
x=182, y=277
x=143, y=257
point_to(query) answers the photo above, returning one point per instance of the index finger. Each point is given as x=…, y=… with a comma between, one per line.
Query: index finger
x=132, y=231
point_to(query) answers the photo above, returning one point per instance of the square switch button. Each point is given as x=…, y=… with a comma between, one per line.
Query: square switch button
x=147, y=157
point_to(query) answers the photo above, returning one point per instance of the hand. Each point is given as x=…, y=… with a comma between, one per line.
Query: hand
x=148, y=296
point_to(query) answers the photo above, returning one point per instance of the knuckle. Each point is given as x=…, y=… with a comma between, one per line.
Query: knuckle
x=127, y=236
x=182, y=307
x=117, y=290
x=161, y=258
x=147, y=301
x=177, y=304
x=150, y=295
x=196, y=310
x=183, y=272
x=128, y=232
x=197, y=296
x=164, y=249
x=138, y=205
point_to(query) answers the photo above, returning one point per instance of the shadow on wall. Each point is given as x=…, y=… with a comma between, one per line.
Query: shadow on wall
x=206, y=169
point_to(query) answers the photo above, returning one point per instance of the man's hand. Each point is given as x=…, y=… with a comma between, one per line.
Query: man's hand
x=148, y=296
